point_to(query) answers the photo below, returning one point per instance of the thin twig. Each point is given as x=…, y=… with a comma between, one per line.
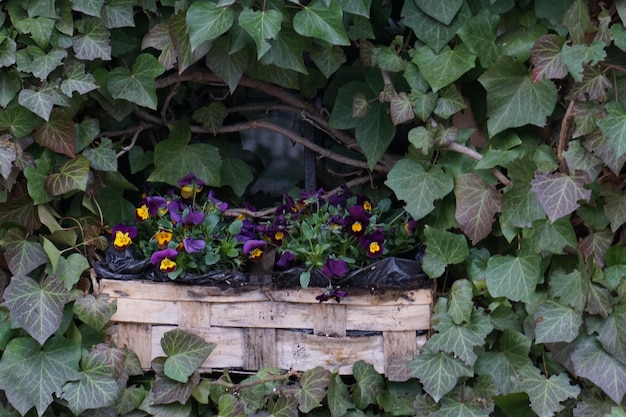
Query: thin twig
x=133, y=141
x=566, y=123
x=168, y=99
x=462, y=149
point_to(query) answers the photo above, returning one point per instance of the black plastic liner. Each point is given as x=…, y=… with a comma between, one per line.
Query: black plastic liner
x=388, y=273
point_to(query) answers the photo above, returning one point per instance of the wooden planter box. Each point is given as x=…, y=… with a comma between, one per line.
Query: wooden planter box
x=258, y=328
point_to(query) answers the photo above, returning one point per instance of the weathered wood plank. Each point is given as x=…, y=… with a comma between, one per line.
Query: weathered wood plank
x=137, y=337
x=260, y=348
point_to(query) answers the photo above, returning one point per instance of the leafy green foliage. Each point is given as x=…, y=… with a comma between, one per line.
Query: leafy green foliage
x=101, y=99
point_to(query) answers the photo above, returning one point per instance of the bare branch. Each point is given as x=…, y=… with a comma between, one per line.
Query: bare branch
x=462, y=149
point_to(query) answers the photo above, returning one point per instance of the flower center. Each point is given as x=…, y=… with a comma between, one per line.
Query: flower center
x=167, y=265
x=374, y=247
x=279, y=235
x=142, y=213
x=122, y=240
x=163, y=237
x=367, y=206
x=255, y=254
x=357, y=227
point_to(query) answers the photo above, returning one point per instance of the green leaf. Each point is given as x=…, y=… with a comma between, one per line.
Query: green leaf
x=71, y=268
x=180, y=38
x=520, y=207
x=211, y=116
x=93, y=41
x=175, y=409
x=57, y=134
x=8, y=155
x=90, y=7
x=571, y=289
x=438, y=372
x=612, y=333
x=228, y=66
x=95, y=388
x=594, y=85
x=449, y=102
x=44, y=63
x=261, y=25
x=21, y=211
x=206, y=21
x=514, y=277
x=30, y=375
x=443, y=12
x=10, y=85
x=595, y=245
x=22, y=255
x=443, y=68
x=504, y=365
x=286, y=52
x=613, y=125
x=167, y=391
x=102, y=157
x=73, y=175
x=579, y=159
x=338, y=397
x=38, y=308
x=283, y=407
x=118, y=14
x=559, y=193
x=442, y=248
x=228, y=406
x=546, y=58
x=313, y=387
x=430, y=31
x=39, y=102
x=173, y=158
x=513, y=99
x=615, y=208
x=592, y=362
x=18, y=120
x=546, y=394
x=95, y=311
x=479, y=34
x=8, y=47
x=79, y=81
x=85, y=133
x=159, y=38
x=137, y=87
x=369, y=384
x=321, y=21
x=556, y=323
x=476, y=205
x=423, y=106
x=575, y=56
x=417, y=187
x=578, y=22
x=328, y=58
x=389, y=59
x=357, y=7
x=461, y=340
x=451, y=407
x=374, y=133
x=461, y=303
x=236, y=174
x=186, y=352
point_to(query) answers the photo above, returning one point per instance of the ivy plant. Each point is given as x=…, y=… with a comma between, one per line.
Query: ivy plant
x=499, y=125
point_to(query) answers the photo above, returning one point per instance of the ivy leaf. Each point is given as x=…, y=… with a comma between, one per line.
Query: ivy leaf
x=445, y=67
x=556, y=323
x=318, y=20
x=90, y=7
x=8, y=154
x=559, y=193
x=211, y=116
x=504, y=365
x=159, y=38
x=30, y=374
x=173, y=157
x=599, y=301
x=401, y=109
x=44, y=63
x=479, y=34
x=95, y=388
x=545, y=56
x=449, y=102
x=284, y=406
x=571, y=288
x=228, y=406
x=10, y=85
x=612, y=333
x=579, y=159
x=513, y=99
x=261, y=25
x=338, y=396
x=179, y=36
x=206, y=21
x=578, y=21
x=328, y=58
x=615, y=208
x=21, y=211
x=22, y=255
x=576, y=55
x=228, y=66
x=546, y=394
x=514, y=277
x=73, y=175
x=387, y=58
x=39, y=102
x=236, y=174
x=102, y=157
x=460, y=340
x=57, y=134
x=137, y=87
x=78, y=80
x=451, y=407
x=357, y=7
x=167, y=391
x=476, y=205
x=71, y=268
x=442, y=248
x=592, y=362
x=594, y=85
x=95, y=311
x=313, y=387
x=613, y=125
x=38, y=308
x=93, y=41
x=430, y=31
x=8, y=48
x=417, y=187
x=369, y=384
x=438, y=372
x=423, y=106
x=118, y=14
x=461, y=303
x=374, y=133
x=444, y=12
x=548, y=237
x=186, y=352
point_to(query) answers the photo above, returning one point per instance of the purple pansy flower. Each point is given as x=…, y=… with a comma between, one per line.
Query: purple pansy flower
x=373, y=243
x=158, y=256
x=222, y=206
x=335, y=268
x=286, y=258
x=176, y=208
x=193, y=218
x=254, y=249
x=356, y=222
x=193, y=245
x=155, y=203
x=131, y=230
x=334, y=294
